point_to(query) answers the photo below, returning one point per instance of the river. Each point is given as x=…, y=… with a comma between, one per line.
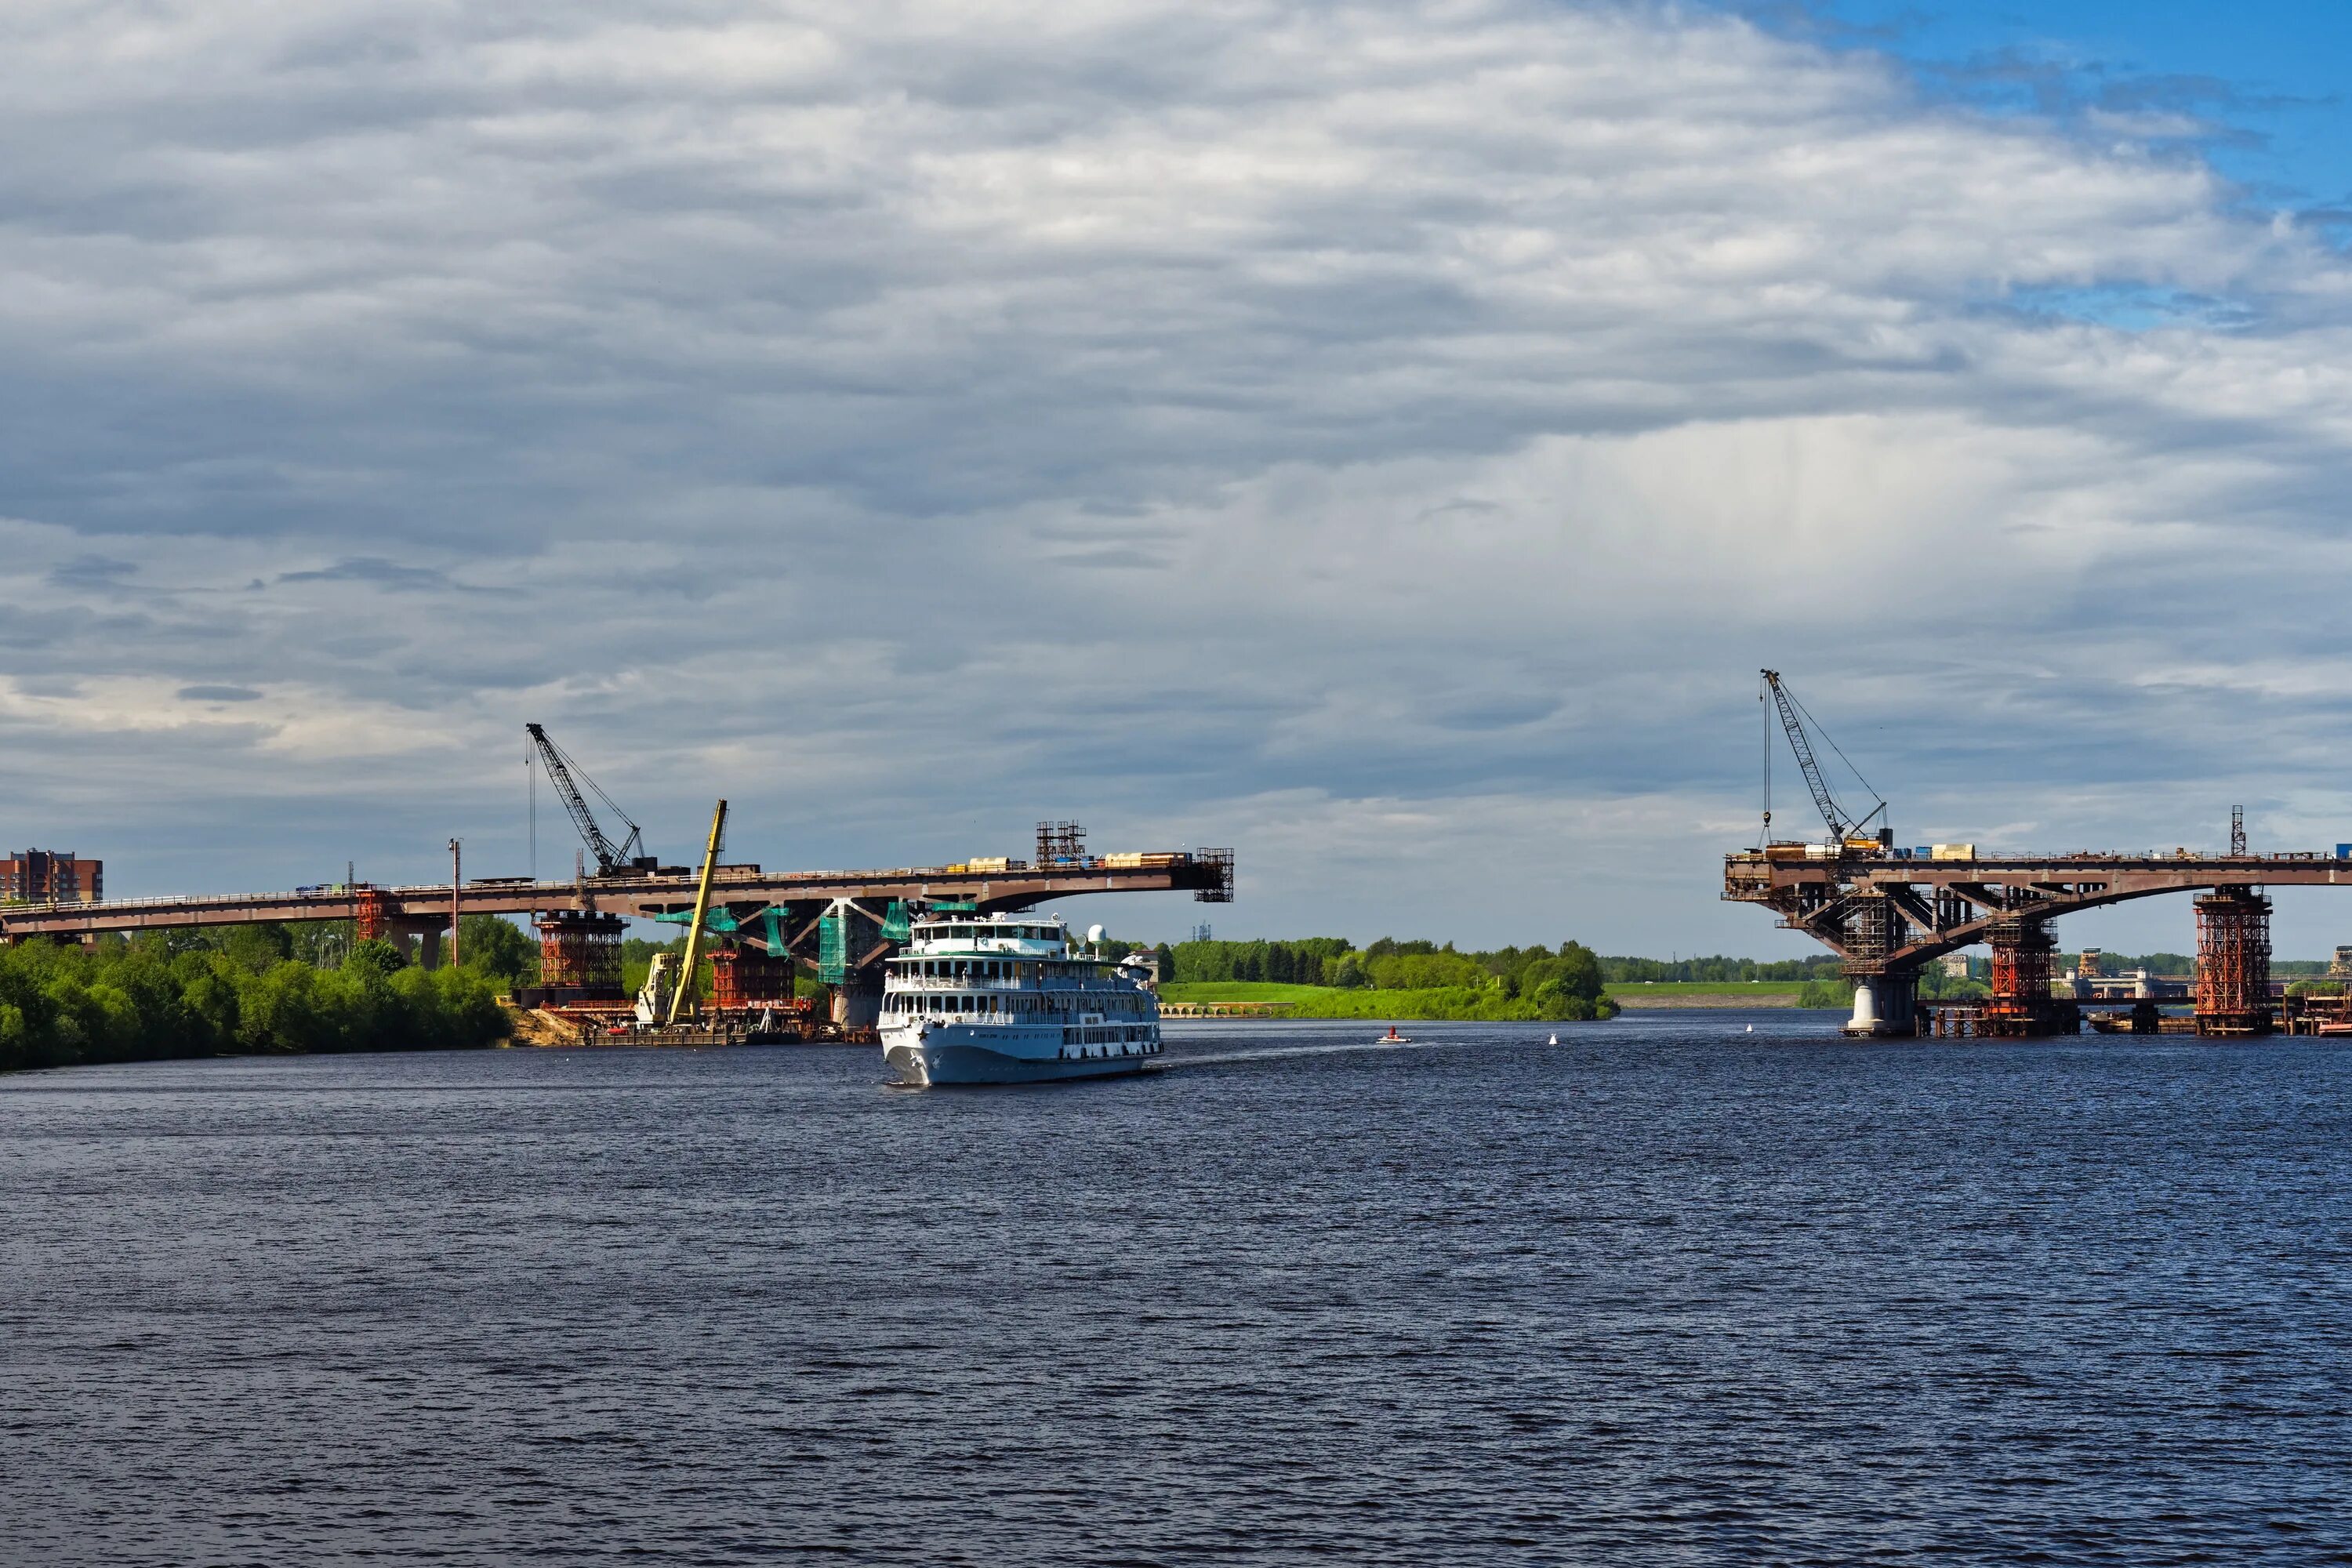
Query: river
x=1669, y=1291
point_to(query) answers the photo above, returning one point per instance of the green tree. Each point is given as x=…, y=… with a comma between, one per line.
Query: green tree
x=377, y=957
x=495, y=946
x=258, y=947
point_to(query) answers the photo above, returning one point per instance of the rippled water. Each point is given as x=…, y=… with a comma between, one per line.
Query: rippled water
x=1668, y=1292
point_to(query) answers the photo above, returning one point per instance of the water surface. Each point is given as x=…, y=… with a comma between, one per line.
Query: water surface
x=1666, y=1292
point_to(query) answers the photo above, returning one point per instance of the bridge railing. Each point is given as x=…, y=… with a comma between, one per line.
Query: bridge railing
x=2170, y=855
x=102, y=906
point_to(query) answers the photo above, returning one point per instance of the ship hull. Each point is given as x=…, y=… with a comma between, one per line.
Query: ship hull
x=955, y=1056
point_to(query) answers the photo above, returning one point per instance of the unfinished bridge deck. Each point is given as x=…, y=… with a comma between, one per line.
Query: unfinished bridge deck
x=1207, y=873
x=1945, y=905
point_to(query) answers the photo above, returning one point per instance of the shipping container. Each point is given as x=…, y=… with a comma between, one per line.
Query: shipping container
x=987, y=863
x=1953, y=851
x=2344, y=851
x=1123, y=860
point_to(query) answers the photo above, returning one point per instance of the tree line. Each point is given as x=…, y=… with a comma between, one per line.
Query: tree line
x=1565, y=981
x=246, y=990
x=1716, y=969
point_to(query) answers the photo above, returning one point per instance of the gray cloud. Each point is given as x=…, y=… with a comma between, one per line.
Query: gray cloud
x=1112, y=557
x=99, y=572
x=218, y=694
x=390, y=576
x=1380, y=436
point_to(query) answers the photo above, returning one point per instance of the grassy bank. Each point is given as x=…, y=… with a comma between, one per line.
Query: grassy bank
x=1237, y=990
x=1436, y=1003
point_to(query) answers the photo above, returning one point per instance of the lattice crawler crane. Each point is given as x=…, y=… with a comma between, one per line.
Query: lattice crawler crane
x=627, y=858
x=1849, y=834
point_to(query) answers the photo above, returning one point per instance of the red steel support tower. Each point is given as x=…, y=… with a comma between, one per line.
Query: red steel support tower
x=744, y=980
x=2021, y=1006
x=372, y=912
x=2234, y=963
x=579, y=955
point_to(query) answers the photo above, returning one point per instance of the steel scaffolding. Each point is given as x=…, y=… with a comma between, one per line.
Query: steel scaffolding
x=2234, y=963
x=2021, y=1006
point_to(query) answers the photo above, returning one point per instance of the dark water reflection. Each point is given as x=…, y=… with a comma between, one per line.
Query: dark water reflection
x=1668, y=1292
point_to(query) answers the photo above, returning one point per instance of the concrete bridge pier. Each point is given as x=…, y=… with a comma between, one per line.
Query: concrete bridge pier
x=1885, y=1005
x=857, y=999
x=427, y=938
x=1886, y=995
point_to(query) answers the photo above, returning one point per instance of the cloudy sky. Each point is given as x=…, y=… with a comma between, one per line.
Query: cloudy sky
x=1385, y=438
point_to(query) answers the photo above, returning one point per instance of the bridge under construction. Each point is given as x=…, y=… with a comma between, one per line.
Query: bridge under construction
x=1888, y=916
x=1889, y=912
x=761, y=928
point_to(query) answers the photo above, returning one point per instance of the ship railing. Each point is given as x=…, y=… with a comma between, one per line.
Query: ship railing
x=973, y=983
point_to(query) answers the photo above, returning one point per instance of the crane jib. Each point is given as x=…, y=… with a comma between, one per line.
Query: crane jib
x=560, y=771
x=1840, y=823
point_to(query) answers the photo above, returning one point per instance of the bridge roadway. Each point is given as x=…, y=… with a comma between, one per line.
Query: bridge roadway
x=742, y=890
x=1940, y=906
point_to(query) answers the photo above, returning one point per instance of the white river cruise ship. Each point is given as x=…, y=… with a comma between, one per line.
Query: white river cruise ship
x=1010, y=999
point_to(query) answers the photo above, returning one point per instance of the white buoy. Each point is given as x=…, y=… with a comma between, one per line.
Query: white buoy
x=1553, y=1041
x=1752, y=1028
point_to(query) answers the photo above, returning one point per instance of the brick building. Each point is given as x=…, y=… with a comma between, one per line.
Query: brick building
x=44, y=876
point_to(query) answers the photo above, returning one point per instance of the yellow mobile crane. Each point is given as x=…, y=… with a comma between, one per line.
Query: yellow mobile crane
x=682, y=999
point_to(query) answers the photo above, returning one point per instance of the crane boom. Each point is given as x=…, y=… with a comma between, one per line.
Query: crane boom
x=682, y=999
x=1841, y=826
x=1803, y=745
x=610, y=858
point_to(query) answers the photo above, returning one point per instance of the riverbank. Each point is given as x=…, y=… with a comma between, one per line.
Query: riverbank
x=1458, y=1004
x=169, y=997
x=1709, y=994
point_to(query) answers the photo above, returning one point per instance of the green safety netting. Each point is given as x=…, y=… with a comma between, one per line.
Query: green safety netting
x=831, y=950
x=726, y=924
x=717, y=920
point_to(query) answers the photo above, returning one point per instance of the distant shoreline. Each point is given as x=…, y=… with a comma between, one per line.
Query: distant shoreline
x=1261, y=999
x=1633, y=1001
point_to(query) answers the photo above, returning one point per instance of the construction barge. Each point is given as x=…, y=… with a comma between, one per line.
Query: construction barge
x=1996, y=1017
x=570, y=1028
